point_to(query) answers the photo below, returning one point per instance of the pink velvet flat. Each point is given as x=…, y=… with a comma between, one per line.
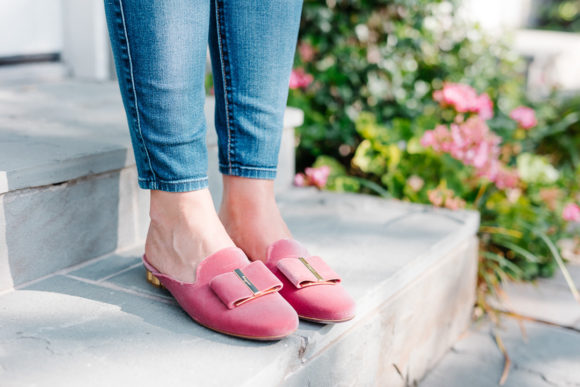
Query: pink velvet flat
x=309, y=284
x=232, y=296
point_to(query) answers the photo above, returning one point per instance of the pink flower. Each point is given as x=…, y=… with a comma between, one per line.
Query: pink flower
x=454, y=203
x=506, y=178
x=461, y=97
x=484, y=106
x=299, y=180
x=299, y=79
x=524, y=116
x=470, y=142
x=571, y=213
x=435, y=197
x=318, y=176
x=306, y=51
x=474, y=144
x=445, y=197
x=464, y=99
x=415, y=183
x=439, y=139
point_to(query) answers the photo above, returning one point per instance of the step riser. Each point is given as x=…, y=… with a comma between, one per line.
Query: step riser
x=409, y=333
x=49, y=228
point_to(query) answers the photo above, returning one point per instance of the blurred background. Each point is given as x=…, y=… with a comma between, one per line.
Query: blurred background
x=73, y=33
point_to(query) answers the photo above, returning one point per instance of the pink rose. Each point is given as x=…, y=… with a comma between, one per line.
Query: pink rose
x=428, y=138
x=299, y=180
x=474, y=144
x=506, y=178
x=435, y=197
x=415, y=183
x=484, y=106
x=306, y=51
x=318, y=176
x=524, y=116
x=571, y=213
x=461, y=97
x=464, y=99
x=454, y=203
x=299, y=79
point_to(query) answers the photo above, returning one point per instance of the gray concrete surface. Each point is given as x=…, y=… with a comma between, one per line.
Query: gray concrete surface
x=410, y=268
x=52, y=132
x=544, y=346
x=68, y=190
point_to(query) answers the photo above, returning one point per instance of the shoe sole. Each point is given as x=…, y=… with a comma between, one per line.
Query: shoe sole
x=323, y=321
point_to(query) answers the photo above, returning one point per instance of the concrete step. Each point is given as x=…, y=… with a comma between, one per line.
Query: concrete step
x=68, y=188
x=543, y=343
x=411, y=269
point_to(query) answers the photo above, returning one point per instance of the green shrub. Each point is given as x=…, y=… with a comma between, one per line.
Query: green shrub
x=376, y=67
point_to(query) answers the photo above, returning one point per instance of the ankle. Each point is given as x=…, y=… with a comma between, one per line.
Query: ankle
x=184, y=229
x=251, y=216
x=170, y=207
x=245, y=195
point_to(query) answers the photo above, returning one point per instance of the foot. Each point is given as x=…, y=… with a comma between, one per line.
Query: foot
x=184, y=229
x=251, y=216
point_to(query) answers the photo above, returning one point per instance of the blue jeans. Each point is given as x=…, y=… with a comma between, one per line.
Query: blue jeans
x=160, y=49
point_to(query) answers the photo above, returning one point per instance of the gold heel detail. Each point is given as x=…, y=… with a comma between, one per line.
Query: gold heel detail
x=153, y=280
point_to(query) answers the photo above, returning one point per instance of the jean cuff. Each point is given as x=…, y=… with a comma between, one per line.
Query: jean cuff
x=250, y=172
x=175, y=186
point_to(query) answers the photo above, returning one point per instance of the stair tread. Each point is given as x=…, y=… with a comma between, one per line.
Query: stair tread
x=101, y=324
x=69, y=129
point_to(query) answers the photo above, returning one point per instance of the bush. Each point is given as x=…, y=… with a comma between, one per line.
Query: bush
x=403, y=100
x=387, y=57
x=559, y=15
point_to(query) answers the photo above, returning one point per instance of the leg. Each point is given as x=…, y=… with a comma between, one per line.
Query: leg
x=252, y=44
x=160, y=49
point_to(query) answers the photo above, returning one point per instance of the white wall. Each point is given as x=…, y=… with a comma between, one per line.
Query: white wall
x=30, y=27
x=496, y=16
x=86, y=51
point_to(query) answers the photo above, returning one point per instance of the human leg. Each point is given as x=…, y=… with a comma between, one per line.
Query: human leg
x=160, y=49
x=252, y=44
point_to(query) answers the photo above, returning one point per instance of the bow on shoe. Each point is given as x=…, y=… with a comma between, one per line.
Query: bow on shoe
x=309, y=271
x=242, y=285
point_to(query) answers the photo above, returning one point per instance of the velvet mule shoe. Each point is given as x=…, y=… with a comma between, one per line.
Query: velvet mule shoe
x=232, y=296
x=309, y=284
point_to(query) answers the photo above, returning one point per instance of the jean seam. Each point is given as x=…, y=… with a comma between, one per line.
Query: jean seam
x=174, y=187
x=174, y=181
x=221, y=49
x=135, y=100
x=249, y=168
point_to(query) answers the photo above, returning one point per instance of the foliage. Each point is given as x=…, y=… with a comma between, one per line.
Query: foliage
x=387, y=57
x=561, y=15
x=382, y=117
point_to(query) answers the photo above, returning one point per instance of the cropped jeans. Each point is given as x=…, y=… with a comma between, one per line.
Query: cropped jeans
x=160, y=46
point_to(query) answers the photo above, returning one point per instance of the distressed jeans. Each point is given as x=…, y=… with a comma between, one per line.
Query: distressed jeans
x=160, y=46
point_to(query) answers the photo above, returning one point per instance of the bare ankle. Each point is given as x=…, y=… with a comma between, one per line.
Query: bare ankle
x=251, y=216
x=184, y=230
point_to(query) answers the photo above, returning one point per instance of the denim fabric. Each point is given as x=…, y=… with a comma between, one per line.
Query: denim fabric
x=160, y=46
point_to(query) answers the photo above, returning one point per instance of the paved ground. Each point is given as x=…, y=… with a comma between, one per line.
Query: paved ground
x=544, y=349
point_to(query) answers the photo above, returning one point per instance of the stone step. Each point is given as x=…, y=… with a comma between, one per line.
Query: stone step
x=68, y=188
x=543, y=342
x=411, y=269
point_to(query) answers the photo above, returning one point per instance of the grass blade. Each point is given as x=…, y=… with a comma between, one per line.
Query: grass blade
x=508, y=362
x=519, y=250
x=560, y=262
x=374, y=187
x=503, y=261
